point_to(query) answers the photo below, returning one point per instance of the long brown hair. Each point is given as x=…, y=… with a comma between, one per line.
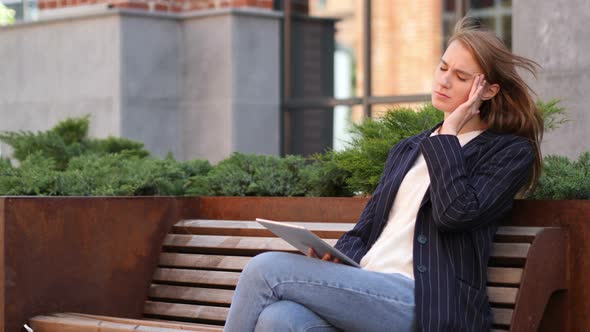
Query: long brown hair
x=512, y=110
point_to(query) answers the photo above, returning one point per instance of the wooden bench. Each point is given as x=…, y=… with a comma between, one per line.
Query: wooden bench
x=201, y=261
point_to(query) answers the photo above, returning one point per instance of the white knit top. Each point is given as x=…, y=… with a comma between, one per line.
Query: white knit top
x=392, y=252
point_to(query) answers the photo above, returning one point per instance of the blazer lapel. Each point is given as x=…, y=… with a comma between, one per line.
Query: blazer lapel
x=471, y=150
x=394, y=177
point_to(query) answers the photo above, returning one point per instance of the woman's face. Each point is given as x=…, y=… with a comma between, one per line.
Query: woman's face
x=453, y=78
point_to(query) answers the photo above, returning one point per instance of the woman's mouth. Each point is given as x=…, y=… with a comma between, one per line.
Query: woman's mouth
x=441, y=95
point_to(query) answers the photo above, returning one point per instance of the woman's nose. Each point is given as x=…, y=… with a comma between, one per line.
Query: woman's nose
x=444, y=80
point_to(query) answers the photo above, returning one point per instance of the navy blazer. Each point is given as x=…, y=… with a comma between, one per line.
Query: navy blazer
x=471, y=189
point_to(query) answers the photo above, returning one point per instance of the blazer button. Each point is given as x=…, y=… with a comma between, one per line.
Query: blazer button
x=422, y=239
x=422, y=268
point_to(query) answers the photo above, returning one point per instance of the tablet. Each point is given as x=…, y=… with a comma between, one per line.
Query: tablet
x=303, y=239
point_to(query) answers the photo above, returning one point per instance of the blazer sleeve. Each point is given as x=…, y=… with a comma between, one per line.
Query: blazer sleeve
x=354, y=242
x=464, y=200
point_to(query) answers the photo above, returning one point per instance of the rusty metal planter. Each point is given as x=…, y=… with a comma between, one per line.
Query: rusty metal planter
x=92, y=255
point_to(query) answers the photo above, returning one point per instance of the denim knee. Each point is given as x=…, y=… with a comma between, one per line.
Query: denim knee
x=287, y=316
x=264, y=262
x=259, y=266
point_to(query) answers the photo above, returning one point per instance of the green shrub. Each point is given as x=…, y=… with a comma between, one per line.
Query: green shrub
x=554, y=115
x=117, y=145
x=365, y=157
x=68, y=139
x=64, y=161
x=323, y=178
x=124, y=174
x=252, y=175
x=564, y=179
x=35, y=176
x=363, y=161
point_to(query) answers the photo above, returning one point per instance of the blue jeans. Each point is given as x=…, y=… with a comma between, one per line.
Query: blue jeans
x=288, y=292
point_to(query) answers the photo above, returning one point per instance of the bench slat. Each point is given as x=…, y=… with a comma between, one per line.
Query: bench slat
x=510, y=250
x=212, y=278
x=260, y=244
x=517, y=234
x=252, y=228
x=186, y=311
x=502, y=295
x=510, y=276
x=496, y=275
x=231, y=244
x=155, y=325
x=81, y=324
x=498, y=295
x=504, y=276
x=502, y=316
x=192, y=294
x=59, y=324
x=234, y=263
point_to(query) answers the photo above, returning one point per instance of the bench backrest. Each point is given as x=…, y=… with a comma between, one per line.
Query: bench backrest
x=201, y=261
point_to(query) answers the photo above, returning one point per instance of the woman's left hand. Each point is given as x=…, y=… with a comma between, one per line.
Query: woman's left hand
x=327, y=256
x=466, y=111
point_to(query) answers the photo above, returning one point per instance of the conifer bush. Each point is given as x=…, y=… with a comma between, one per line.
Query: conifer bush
x=564, y=179
x=252, y=175
x=64, y=161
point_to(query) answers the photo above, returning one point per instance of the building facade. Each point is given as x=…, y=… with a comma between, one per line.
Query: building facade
x=205, y=78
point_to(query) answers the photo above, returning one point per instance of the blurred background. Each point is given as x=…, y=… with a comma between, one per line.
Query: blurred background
x=205, y=78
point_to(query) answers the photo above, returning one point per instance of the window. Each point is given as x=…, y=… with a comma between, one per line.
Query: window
x=24, y=10
x=495, y=14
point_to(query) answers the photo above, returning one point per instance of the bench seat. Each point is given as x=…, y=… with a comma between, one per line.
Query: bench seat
x=201, y=261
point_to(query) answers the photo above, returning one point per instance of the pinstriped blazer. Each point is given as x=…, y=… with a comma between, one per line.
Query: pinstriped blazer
x=471, y=190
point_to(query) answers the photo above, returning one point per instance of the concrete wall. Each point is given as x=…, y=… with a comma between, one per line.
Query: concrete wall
x=61, y=69
x=150, y=82
x=256, y=90
x=200, y=86
x=231, y=84
x=555, y=35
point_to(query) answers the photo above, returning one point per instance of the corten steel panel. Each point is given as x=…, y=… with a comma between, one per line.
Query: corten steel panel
x=566, y=311
x=326, y=209
x=89, y=255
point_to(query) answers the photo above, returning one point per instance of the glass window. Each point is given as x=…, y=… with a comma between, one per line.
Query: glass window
x=477, y=4
x=495, y=14
x=507, y=28
x=449, y=5
x=24, y=10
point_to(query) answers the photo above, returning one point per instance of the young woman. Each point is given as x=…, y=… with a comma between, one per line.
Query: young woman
x=424, y=237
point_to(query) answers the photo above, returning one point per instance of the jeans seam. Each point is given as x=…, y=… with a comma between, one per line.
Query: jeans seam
x=344, y=289
x=314, y=326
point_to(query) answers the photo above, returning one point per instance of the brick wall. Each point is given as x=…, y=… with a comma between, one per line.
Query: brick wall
x=407, y=39
x=176, y=6
x=407, y=44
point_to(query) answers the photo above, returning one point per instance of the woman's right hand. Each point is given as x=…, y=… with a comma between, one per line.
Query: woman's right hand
x=466, y=111
x=327, y=257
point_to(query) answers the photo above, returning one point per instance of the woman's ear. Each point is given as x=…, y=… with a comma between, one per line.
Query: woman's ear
x=490, y=91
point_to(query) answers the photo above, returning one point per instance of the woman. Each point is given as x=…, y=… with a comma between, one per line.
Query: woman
x=424, y=237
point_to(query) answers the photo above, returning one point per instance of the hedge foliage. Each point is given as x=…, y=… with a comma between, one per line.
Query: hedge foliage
x=364, y=159
x=564, y=179
x=64, y=161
